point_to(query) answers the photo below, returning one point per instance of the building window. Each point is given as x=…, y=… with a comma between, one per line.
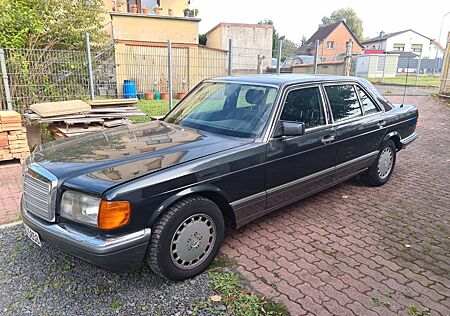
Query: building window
x=399, y=47
x=416, y=48
x=330, y=44
x=142, y=4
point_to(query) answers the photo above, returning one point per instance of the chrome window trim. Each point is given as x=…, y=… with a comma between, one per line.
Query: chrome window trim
x=283, y=98
x=259, y=84
x=267, y=135
x=379, y=108
x=331, y=110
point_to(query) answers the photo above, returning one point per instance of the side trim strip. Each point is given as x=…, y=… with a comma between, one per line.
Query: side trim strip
x=298, y=181
x=258, y=196
x=254, y=216
x=248, y=200
x=408, y=140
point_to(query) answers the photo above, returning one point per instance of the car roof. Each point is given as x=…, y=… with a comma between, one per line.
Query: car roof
x=284, y=79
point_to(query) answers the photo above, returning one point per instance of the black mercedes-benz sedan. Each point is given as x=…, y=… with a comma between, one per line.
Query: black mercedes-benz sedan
x=234, y=149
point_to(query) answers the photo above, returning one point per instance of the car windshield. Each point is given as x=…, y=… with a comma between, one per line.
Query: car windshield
x=232, y=109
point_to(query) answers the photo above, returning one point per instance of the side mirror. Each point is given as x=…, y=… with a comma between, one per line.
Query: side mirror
x=286, y=128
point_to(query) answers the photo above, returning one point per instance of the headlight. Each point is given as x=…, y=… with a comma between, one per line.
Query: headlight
x=80, y=207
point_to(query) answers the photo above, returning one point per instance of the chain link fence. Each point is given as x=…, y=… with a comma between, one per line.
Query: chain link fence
x=171, y=70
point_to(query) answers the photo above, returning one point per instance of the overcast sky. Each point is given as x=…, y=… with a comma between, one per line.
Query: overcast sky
x=296, y=18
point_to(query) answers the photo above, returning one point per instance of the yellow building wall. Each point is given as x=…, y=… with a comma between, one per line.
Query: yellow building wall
x=147, y=66
x=177, y=6
x=151, y=28
x=215, y=38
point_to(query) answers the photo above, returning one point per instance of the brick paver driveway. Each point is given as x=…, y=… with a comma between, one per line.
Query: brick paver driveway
x=356, y=250
x=10, y=191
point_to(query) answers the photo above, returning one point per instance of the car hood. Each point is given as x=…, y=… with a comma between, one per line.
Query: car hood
x=98, y=161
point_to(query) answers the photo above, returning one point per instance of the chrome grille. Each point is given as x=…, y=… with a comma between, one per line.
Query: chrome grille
x=37, y=195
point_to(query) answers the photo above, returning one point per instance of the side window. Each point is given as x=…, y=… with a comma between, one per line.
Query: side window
x=367, y=104
x=304, y=105
x=343, y=102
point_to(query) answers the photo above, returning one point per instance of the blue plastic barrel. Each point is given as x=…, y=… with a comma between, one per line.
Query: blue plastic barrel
x=129, y=89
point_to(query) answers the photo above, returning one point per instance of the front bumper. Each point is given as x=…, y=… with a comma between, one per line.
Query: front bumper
x=121, y=253
x=408, y=140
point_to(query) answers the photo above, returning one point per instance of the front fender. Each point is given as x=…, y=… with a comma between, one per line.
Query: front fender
x=196, y=189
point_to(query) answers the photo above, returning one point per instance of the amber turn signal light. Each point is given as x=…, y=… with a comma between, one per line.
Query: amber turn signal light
x=113, y=214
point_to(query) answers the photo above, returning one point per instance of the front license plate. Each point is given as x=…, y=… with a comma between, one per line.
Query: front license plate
x=33, y=235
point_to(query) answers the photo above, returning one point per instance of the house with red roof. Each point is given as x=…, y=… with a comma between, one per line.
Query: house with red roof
x=332, y=42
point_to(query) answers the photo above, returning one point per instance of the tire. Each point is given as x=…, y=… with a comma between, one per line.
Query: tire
x=186, y=239
x=381, y=169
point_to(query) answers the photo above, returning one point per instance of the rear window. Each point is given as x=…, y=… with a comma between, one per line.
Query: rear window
x=367, y=104
x=387, y=105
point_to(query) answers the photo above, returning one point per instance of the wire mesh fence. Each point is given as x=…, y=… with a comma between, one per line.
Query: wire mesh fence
x=32, y=76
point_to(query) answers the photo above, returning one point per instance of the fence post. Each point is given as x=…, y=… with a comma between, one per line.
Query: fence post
x=280, y=47
x=316, y=56
x=384, y=67
x=230, y=67
x=5, y=79
x=445, y=74
x=348, y=58
x=418, y=68
x=89, y=65
x=169, y=65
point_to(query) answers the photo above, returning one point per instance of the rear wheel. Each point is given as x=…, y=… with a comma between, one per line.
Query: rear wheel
x=186, y=239
x=381, y=169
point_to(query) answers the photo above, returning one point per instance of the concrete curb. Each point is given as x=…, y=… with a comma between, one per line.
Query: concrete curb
x=4, y=226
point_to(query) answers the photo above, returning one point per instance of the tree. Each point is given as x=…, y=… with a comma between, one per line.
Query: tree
x=289, y=48
x=50, y=24
x=202, y=39
x=354, y=23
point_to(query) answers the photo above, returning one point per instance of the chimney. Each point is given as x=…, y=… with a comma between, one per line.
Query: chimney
x=382, y=33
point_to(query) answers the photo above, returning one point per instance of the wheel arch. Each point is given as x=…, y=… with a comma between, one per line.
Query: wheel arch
x=395, y=137
x=208, y=191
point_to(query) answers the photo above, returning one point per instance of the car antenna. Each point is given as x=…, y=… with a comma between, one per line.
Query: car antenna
x=406, y=82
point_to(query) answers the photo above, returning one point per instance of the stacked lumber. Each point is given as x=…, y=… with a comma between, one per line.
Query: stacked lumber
x=13, y=137
x=10, y=121
x=100, y=114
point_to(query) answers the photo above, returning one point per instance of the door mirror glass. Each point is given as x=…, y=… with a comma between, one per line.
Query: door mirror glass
x=286, y=128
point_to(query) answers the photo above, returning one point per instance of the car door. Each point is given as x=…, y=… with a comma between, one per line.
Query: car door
x=298, y=166
x=359, y=125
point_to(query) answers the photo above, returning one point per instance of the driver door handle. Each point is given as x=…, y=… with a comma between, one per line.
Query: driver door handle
x=327, y=139
x=381, y=123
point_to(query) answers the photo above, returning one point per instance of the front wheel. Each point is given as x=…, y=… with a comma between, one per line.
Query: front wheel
x=381, y=169
x=186, y=239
